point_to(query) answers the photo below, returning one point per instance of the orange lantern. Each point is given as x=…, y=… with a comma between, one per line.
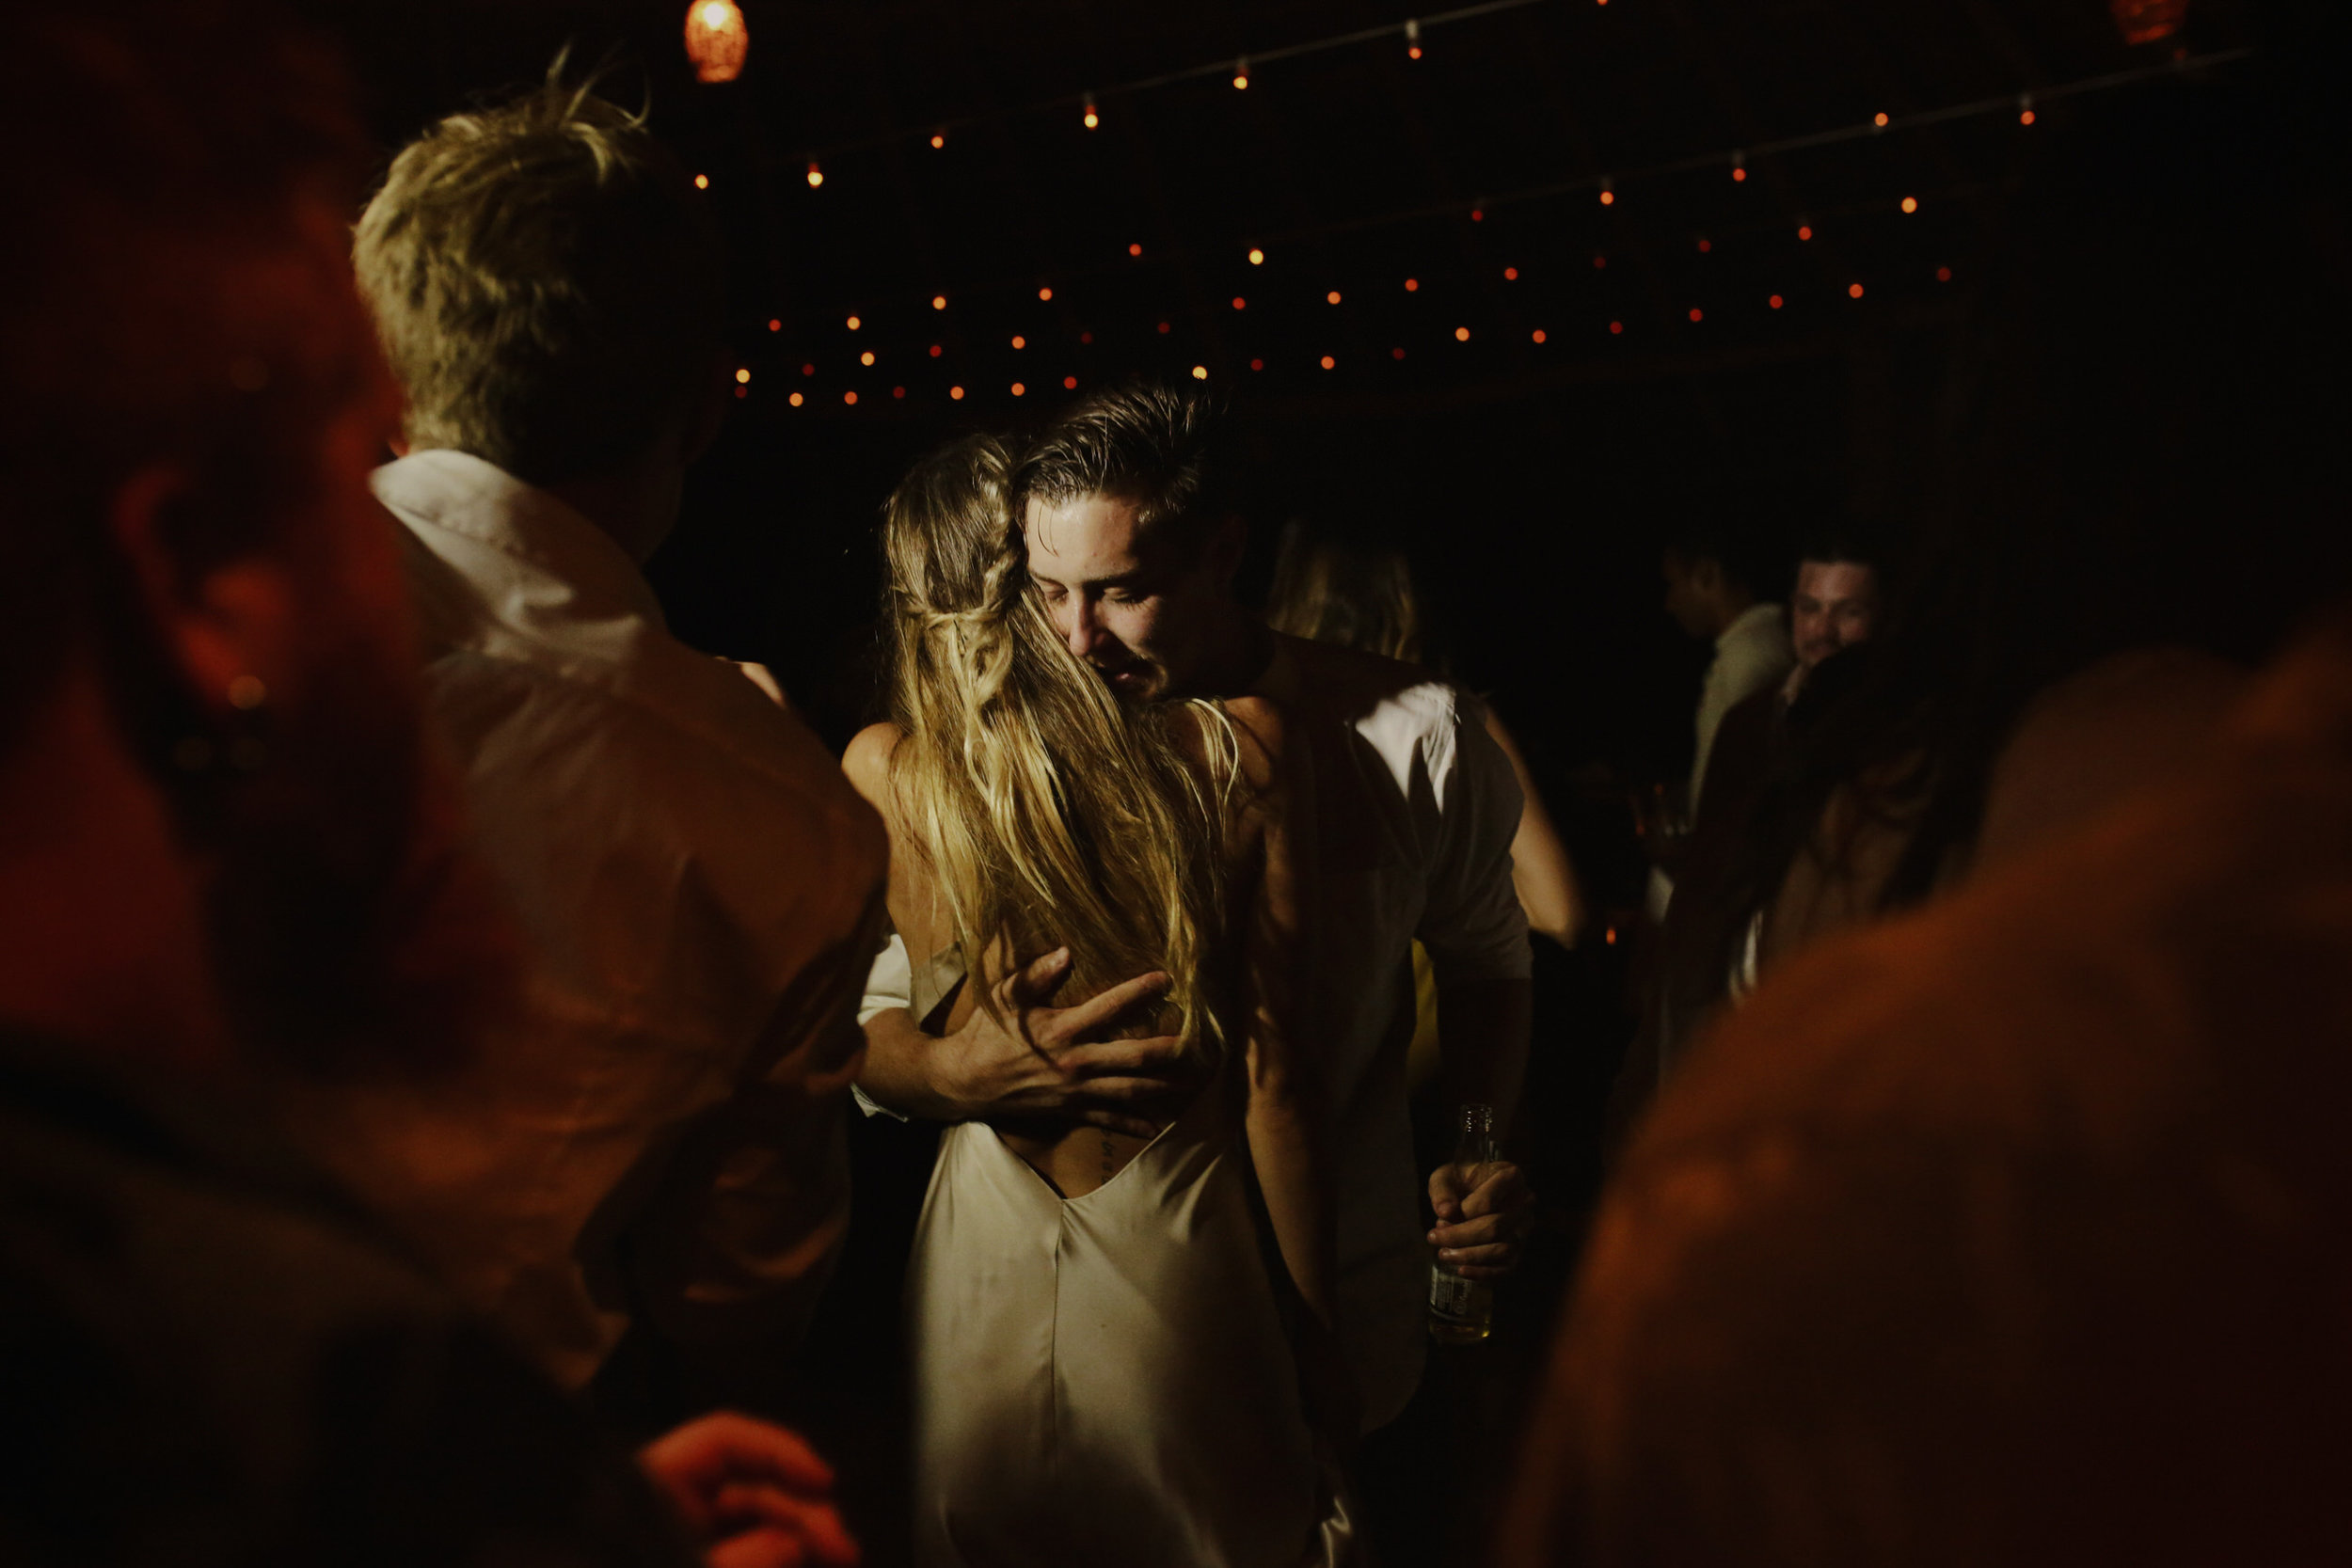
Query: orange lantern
x=2146, y=21
x=717, y=40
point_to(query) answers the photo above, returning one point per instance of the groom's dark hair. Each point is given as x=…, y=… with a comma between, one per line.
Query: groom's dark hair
x=1159, y=446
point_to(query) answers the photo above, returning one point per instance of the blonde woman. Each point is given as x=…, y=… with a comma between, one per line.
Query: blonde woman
x=1121, y=1345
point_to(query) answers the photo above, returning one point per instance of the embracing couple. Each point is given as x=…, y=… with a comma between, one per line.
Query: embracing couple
x=1156, y=875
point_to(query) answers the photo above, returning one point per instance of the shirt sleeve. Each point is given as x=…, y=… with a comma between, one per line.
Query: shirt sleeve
x=1473, y=925
x=889, y=983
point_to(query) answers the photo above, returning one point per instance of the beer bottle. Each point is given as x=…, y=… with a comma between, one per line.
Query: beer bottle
x=1462, y=1311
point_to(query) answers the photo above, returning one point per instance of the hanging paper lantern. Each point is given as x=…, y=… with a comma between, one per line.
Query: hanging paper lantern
x=717, y=40
x=2146, y=21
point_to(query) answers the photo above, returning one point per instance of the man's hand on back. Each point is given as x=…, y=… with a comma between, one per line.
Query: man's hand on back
x=751, y=1494
x=1047, y=1061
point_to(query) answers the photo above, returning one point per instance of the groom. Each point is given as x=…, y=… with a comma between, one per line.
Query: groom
x=1134, y=541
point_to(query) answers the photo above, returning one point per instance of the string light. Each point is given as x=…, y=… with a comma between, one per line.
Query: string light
x=1331, y=299
x=1163, y=329
x=1412, y=38
x=2024, y=108
x=1705, y=247
x=1045, y=294
x=1616, y=329
x=866, y=359
x=1019, y=341
x=1740, y=167
x=897, y=392
x=937, y=350
x=1135, y=250
x=939, y=302
x=1094, y=116
x=1911, y=204
x=775, y=324
x=816, y=175
x=808, y=370
x=1069, y=383
x=1328, y=362
x=1697, y=315
x=1461, y=334
x=849, y=398
x=1396, y=354
x=1412, y=285
x=795, y=399
x=1608, y=191
x=702, y=181
x=1510, y=275
x=1478, y=215
x=1942, y=275
x=1241, y=74
x=1086, y=337
x=855, y=323
x=1600, y=262
x=1240, y=304
x=956, y=392
x=1257, y=257
x=2148, y=20
x=1854, y=290
x=1540, y=334
x=1805, y=231
x=1201, y=373
x=717, y=40
x=1776, y=302
x=742, y=376
x=1880, y=119
x=939, y=139
x=1019, y=390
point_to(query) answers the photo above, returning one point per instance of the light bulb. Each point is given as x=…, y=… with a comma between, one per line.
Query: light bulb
x=816, y=175
x=717, y=40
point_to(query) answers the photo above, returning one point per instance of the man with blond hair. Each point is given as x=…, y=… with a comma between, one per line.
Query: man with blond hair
x=656, y=1138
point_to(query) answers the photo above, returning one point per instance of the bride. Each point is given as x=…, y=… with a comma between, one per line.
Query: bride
x=1122, y=1347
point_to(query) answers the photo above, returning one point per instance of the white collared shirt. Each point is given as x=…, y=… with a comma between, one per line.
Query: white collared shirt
x=699, y=890
x=1753, y=651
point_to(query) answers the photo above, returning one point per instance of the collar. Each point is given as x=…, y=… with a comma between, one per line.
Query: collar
x=457, y=494
x=1757, y=618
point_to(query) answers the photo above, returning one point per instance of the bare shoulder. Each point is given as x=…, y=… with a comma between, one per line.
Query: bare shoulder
x=868, y=763
x=1261, y=734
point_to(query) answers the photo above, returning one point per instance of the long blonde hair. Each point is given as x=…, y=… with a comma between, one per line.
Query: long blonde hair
x=1049, y=813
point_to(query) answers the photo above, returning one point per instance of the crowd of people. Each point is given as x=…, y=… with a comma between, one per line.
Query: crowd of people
x=437, y=998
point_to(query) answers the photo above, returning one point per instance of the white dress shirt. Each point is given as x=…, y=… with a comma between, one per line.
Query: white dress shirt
x=699, y=890
x=1753, y=653
x=1415, y=806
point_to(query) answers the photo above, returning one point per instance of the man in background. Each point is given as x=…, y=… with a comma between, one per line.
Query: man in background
x=657, y=1139
x=228, y=853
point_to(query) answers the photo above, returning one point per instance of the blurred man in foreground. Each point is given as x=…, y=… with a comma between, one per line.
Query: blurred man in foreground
x=227, y=853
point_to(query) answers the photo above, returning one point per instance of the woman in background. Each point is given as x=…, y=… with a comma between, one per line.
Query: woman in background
x=1122, y=1347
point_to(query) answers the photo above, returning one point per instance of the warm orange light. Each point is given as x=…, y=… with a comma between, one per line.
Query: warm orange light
x=717, y=40
x=849, y=397
x=1511, y=274
x=1697, y=314
x=938, y=139
x=897, y=392
x=1616, y=328
x=1257, y=257
x=1135, y=250
x=1019, y=390
x=1019, y=341
x=937, y=350
x=1855, y=290
x=1328, y=361
x=1911, y=204
x=939, y=302
x=1412, y=38
x=1241, y=74
x=1607, y=197
x=1880, y=119
x=1201, y=373
x=1739, y=174
x=1069, y=383
x=1093, y=119
x=808, y=370
x=1805, y=231
x=956, y=392
x=1045, y=294
x=1942, y=275
x=816, y=175
x=865, y=359
x=774, y=325
x=1240, y=304
x=742, y=375
x=1776, y=302
x=702, y=181
x=795, y=399
x=1331, y=299
x=2148, y=20
x=1540, y=334
x=855, y=323
x=1478, y=215
x=2026, y=117
x=1411, y=284
x=1461, y=334
x=1257, y=364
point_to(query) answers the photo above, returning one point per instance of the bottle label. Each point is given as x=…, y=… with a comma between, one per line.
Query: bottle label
x=1452, y=1296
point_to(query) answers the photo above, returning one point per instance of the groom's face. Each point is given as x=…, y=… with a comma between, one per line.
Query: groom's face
x=1137, y=604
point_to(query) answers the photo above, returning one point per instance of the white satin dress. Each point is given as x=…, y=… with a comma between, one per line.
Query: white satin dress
x=1104, y=1379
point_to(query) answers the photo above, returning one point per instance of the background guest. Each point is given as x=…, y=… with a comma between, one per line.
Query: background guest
x=658, y=1136
x=228, y=853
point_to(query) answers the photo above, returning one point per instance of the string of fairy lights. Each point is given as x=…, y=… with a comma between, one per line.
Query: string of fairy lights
x=718, y=40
